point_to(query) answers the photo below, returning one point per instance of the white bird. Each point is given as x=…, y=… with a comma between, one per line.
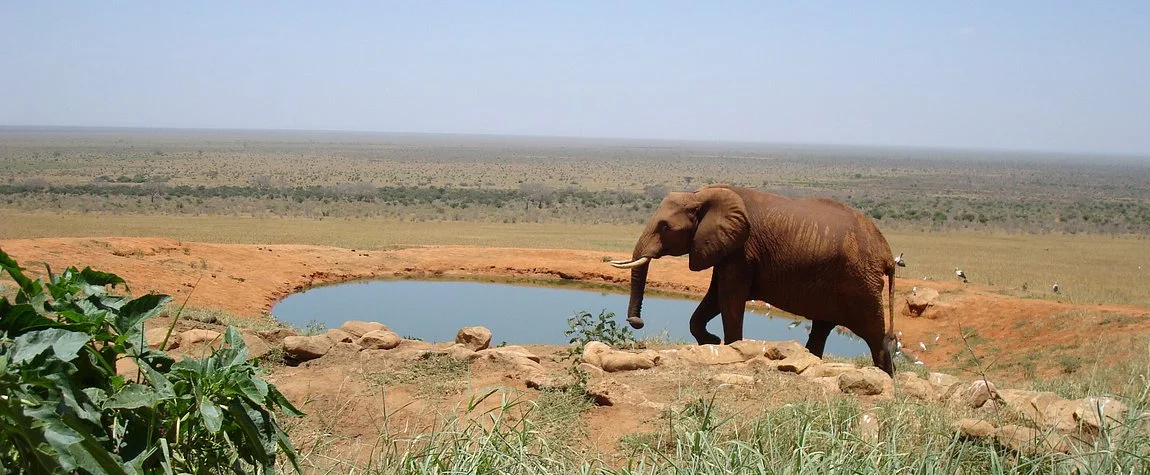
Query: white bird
x=1054, y=287
x=936, y=337
x=900, y=334
x=914, y=290
x=922, y=345
x=961, y=275
x=899, y=262
x=794, y=324
x=917, y=361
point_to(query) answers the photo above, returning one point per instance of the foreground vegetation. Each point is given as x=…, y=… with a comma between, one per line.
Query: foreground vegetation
x=66, y=407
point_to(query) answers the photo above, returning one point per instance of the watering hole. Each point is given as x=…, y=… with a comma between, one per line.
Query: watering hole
x=435, y=310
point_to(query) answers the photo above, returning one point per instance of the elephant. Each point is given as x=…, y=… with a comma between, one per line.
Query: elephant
x=816, y=258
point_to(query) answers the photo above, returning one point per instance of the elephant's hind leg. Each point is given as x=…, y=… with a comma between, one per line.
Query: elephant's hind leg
x=817, y=341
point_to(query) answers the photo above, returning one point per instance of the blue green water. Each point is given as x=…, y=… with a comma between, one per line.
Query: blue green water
x=435, y=310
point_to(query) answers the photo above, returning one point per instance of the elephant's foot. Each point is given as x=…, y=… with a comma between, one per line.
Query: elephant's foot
x=708, y=339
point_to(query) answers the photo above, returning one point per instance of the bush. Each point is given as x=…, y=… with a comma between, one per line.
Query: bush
x=64, y=408
x=582, y=328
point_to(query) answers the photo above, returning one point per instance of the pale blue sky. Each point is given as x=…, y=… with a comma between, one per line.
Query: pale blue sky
x=1045, y=75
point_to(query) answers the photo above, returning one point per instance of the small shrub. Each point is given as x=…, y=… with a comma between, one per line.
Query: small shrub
x=583, y=328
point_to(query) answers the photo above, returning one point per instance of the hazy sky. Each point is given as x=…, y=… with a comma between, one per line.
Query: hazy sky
x=1047, y=75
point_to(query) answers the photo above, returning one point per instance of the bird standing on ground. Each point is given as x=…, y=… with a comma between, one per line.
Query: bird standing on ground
x=1054, y=288
x=922, y=345
x=899, y=262
x=914, y=290
x=961, y=275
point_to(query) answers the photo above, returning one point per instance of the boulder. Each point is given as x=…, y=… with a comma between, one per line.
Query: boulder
x=614, y=361
x=590, y=369
x=974, y=395
x=779, y=350
x=710, y=355
x=944, y=384
x=751, y=348
x=513, y=356
x=593, y=353
x=379, y=340
x=199, y=336
x=278, y=334
x=1026, y=440
x=825, y=370
x=1095, y=412
x=733, y=379
x=798, y=362
x=829, y=384
x=156, y=336
x=476, y=338
x=359, y=328
x=975, y=428
x=608, y=392
x=257, y=347
x=1031, y=405
x=340, y=336
x=920, y=302
x=549, y=382
x=458, y=352
x=911, y=385
x=866, y=381
x=298, y=349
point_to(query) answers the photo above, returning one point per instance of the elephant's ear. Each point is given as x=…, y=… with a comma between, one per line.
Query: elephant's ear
x=722, y=226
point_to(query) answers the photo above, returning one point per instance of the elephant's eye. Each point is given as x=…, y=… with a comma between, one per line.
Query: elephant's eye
x=661, y=227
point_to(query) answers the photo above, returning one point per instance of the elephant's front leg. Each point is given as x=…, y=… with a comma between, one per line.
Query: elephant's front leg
x=734, y=290
x=706, y=311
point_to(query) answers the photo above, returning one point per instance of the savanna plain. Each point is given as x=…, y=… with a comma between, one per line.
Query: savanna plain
x=228, y=222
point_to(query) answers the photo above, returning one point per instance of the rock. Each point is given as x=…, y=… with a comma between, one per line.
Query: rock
x=798, y=362
x=1095, y=412
x=1028, y=404
x=593, y=353
x=913, y=386
x=823, y=370
x=762, y=364
x=974, y=395
x=921, y=301
x=303, y=348
x=615, y=361
x=379, y=340
x=359, y=328
x=974, y=428
x=1030, y=441
x=866, y=381
x=458, y=352
x=476, y=338
x=779, y=350
x=156, y=336
x=608, y=392
x=829, y=384
x=197, y=336
x=548, y=382
x=278, y=334
x=733, y=379
x=513, y=356
x=591, y=370
x=944, y=384
x=340, y=336
x=750, y=348
x=257, y=347
x=711, y=354
x=1060, y=415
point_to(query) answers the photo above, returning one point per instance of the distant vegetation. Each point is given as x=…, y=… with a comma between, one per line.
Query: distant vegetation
x=447, y=178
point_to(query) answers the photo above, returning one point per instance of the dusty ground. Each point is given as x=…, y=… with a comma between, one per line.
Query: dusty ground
x=1012, y=333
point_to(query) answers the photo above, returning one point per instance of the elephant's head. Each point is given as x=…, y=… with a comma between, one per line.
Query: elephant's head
x=707, y=224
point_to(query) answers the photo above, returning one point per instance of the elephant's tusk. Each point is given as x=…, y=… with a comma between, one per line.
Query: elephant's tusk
x=642, y=261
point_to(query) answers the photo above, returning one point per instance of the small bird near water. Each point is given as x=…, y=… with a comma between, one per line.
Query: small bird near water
x=899, y=262
x=961, y=275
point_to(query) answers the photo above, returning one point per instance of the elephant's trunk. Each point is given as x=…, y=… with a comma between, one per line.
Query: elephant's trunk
x=635, y=307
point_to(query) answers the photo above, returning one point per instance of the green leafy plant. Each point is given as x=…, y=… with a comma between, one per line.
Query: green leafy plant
x=583, y=328
x=64, y=407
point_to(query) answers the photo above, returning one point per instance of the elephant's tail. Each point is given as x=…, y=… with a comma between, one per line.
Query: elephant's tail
x=890, y=302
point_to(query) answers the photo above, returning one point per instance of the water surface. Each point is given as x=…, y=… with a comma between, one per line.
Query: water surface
x=435, y=310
